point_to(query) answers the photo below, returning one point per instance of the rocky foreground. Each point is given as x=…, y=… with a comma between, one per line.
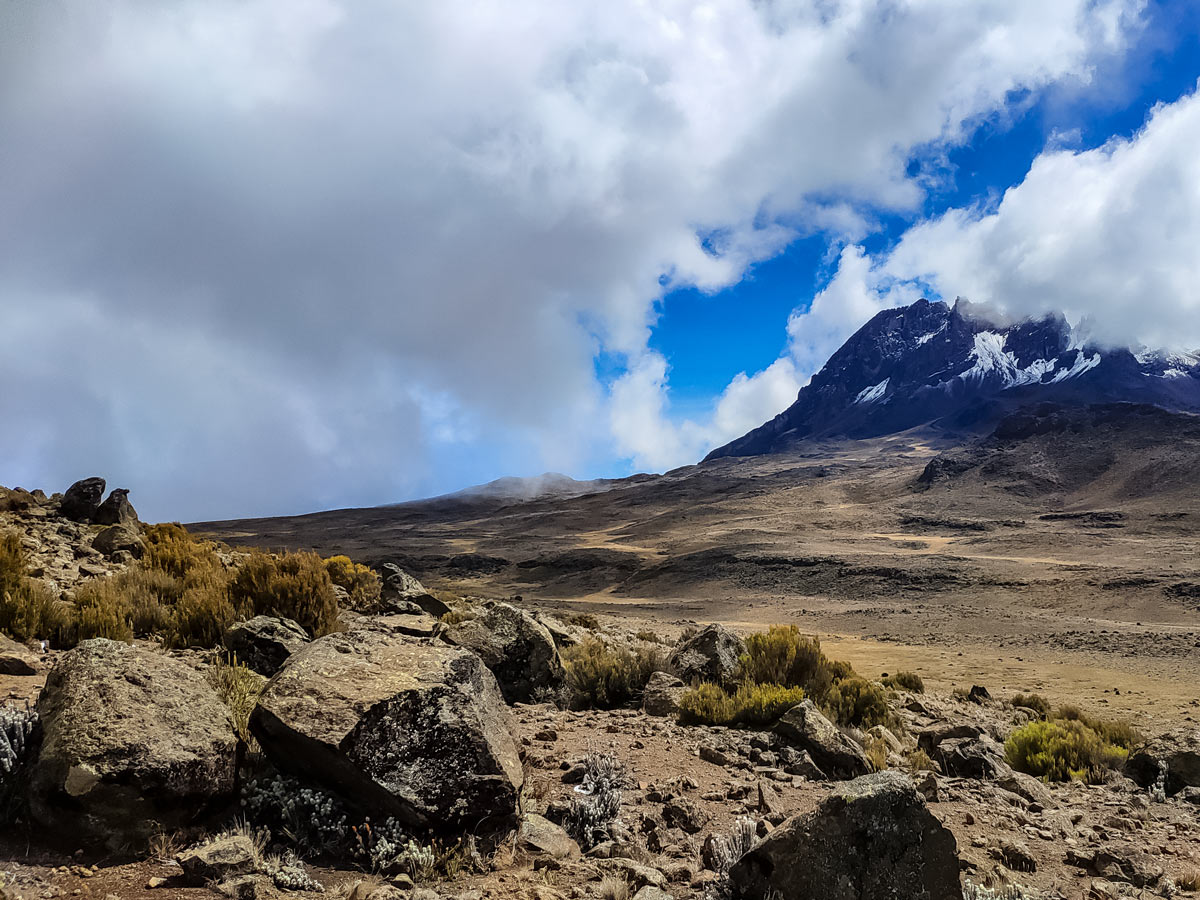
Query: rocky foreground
x=438, y=747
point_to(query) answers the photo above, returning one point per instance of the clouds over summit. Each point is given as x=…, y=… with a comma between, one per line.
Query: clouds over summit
x=324, y=253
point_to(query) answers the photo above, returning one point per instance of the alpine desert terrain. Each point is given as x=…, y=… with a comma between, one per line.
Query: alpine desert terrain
x=1056, y=553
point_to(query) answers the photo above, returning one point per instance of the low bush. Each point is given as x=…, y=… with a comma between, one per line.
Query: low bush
x=362, y=584
x=1035, y=702
x=906, y=681
x=650, y=637
x=1113, y=731
x=919, y=761
x=584, y=620
x=605, y=677
x=238, y=687
x=172, y=549
x=1062, y=750
x=750, y=706
x=202, y=615
x=459, y=615
x=876, y=751
x=294, y=586
x=104, y=611
x=782, y=655
x=29, y=612
x=856, y=702
x=12, y=562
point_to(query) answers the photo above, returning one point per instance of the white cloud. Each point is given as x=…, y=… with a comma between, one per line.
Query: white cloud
x=380, y=241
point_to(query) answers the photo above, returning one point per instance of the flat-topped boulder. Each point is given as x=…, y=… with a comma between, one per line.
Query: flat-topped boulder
x=397, y=727
x=132, y=741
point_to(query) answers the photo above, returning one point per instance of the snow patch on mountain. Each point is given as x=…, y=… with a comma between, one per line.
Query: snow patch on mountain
x=873, y=393
x=1083, y=363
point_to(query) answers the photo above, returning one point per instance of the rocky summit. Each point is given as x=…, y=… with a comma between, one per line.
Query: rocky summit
x=960, y=368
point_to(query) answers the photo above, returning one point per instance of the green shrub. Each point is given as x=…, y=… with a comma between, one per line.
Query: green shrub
x=856, y=702
x=1061, y=751
x=171, y=549
x=12, y=562
x=584, y=620
x=362, y=584
x=650, y=637
x=29, y=612
x=782, y=655
x=876, y=752
x=201, y=616
x=1113, y=731
x=604, y=677
x=295, y=586
x=1035, y=702
x=104, y=611
x=706, y=704
x=750, y=706
x=238, y=687
x=906, y=681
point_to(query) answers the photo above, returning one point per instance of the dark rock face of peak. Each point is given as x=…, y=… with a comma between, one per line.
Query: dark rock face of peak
x=960, y=368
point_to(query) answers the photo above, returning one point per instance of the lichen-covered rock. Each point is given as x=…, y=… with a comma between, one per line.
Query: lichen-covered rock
x=221, y=858
x=414, y=731
x=837, y=756
x=82, y=499
x=517, y=648
x=400, y=589
x=712, y=654
x=661, y=695
x=874, y=839
x=132, y=741
x=115, y=538
x=264, y=643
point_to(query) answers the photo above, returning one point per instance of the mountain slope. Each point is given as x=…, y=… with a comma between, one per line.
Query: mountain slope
x=962, y=370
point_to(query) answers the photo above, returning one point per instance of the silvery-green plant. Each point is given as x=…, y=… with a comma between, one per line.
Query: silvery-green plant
x=16, y=728
x=309, y=819
x=590, y=814
x=288, y=873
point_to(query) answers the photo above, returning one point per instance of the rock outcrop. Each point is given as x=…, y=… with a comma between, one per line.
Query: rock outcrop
x=82, y=499
x=264, y=643
x=835, y=754
x=1173, y=759
x=517, y=648
x=16, y=659
x=874, y=839
x=712, y=654
x=117, y=510
x=399, y=589
x=132, y=741
x=415, y=731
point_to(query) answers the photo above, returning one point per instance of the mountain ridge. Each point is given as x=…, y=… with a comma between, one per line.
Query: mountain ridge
x=961, y=368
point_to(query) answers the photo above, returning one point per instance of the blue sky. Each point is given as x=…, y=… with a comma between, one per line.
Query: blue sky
x=270, y=256
x=694, y=330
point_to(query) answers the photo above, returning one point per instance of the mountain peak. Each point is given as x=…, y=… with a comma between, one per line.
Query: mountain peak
x=961, y=367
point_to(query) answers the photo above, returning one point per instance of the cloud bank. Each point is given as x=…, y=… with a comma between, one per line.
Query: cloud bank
x=262, y=257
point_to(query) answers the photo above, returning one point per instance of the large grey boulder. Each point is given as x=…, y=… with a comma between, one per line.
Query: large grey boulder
x=1173, y=758
x=399, y=728
x=116, y=510
x=264, y=643
x=132, y=741
x=837, y=756
x=400, y=591
x=517, y=648
x=874, y=839
x=712, y=654
x=82, y=499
